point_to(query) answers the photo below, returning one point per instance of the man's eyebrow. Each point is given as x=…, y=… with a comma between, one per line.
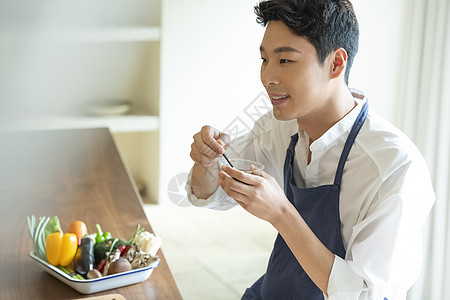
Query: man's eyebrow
x=281, y=49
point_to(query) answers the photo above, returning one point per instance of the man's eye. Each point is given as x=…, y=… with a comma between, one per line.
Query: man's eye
x=283, y=61
x=263, y=60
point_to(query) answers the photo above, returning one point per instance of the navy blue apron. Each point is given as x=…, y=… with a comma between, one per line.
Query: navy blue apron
x=319, y=207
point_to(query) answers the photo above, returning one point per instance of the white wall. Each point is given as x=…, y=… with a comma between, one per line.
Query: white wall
x=210, y=68
x=376, y=65
x=209, y=73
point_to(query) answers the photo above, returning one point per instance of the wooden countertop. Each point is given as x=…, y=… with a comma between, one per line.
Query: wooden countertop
x=75, y=175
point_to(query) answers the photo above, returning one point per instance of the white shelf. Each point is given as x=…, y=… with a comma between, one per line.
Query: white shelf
x=93, y=35
x=125, y=123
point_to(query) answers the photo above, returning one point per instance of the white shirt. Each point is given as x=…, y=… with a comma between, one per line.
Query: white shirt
x=386, y=196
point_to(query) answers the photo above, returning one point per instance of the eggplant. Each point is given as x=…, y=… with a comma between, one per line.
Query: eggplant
x=84, y=258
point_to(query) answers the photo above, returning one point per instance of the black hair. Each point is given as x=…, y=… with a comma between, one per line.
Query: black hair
x=326, y=24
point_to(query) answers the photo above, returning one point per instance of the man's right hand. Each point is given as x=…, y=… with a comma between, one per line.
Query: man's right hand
x=209, y=143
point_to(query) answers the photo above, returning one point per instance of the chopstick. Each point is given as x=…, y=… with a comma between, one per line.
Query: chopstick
x=229, y=162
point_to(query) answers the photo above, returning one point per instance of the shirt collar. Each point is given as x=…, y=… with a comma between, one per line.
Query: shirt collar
x=341, y=127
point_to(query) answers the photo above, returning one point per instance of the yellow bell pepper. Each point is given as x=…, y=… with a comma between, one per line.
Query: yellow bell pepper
x=61, y=248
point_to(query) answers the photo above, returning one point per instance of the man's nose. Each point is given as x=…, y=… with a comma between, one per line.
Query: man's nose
x=269, y=75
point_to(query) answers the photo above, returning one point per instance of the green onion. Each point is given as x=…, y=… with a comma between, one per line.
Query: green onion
x=113, y=244
x=37, y=235
x=64, y=270
x=136, y=234
x=78, y=276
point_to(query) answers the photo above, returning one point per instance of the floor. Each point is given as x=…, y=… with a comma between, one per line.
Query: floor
x=212, y=254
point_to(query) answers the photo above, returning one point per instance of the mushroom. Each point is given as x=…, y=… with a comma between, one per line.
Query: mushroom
x=110, y=258
x=118, y=266
x=92, y=274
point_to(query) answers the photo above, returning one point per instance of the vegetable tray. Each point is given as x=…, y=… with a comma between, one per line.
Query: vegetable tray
x=90, y=286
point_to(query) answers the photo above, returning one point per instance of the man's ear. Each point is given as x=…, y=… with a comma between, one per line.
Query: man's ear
x=338, y=63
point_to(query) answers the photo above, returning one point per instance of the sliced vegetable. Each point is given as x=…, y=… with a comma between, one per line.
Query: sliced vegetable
x=79, y=228
x=84, y=257
x=61, y=248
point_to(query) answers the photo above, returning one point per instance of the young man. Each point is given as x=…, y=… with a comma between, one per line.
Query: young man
x=347, y=192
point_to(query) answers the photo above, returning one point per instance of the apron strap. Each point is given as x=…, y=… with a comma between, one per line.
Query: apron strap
x=349, y=143
x=294, y=140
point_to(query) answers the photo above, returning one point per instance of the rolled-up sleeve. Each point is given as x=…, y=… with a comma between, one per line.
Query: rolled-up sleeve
x=343, y=282
x=384, y=254
x=219, y=200
x=384, y=259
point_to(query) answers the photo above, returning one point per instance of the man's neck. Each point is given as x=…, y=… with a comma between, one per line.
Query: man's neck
x=336, y=108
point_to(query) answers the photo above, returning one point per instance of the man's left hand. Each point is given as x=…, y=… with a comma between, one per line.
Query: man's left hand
x=259, y=195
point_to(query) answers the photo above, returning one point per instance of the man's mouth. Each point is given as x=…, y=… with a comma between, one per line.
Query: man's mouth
x=278, y=99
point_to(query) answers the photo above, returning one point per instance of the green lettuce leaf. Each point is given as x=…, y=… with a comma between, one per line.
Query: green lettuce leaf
x=52, y=226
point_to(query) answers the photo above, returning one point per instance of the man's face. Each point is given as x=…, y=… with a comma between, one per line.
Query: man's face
x=292, y=75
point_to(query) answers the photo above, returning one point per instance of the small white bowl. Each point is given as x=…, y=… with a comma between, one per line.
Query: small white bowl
x=90, y=286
